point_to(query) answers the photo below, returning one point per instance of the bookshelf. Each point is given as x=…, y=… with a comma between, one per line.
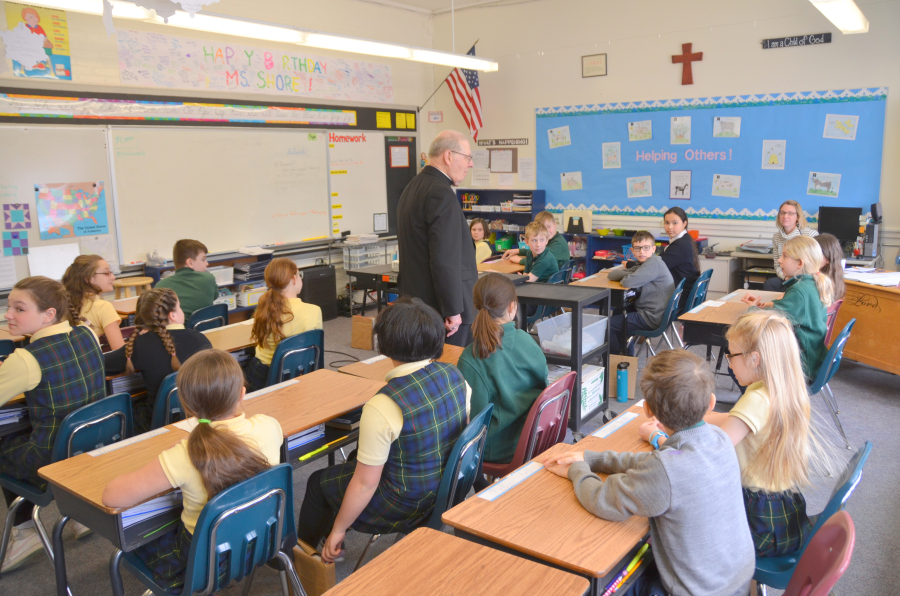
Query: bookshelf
x=504, y=226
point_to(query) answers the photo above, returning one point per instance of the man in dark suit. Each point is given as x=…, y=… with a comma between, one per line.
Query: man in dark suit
x=437, y=255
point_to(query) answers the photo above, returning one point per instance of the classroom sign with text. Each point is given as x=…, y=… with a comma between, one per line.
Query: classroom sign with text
x=155, y=60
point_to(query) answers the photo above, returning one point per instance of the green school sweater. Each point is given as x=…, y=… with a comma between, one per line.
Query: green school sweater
x=801, y=304
x=543, y=266
x=511, y=378
x=559, y=247
x=195, y=289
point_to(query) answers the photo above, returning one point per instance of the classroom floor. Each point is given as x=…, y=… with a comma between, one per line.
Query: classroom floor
x=870, y=404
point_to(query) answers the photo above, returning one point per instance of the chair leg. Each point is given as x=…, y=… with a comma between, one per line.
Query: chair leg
x=8, y=526
x=59, y=557
x=678, y=336
x=650, y=347
x=362, y=557
x=42, y=532
x=291, y=573
x=834, y=417
x=834, y=403
x=668, y=342
x=115, y=574
x=761, y=589
x=248, y=581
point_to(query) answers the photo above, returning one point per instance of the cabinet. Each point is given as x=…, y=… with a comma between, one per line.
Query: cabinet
x=725, y=275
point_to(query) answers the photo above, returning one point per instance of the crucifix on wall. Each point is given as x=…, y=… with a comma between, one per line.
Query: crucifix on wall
x=685, y=59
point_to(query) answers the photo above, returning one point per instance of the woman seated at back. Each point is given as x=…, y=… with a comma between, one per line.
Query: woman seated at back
x=503, y=365
x=406, y=433
x=680, y=256
x=158, y=346
x=85, y=280
x=280, y=314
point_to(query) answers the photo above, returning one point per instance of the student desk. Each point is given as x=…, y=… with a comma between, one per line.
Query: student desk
x=437, y=564
x=126, y=306
x=378, y=278
x=541, y=519
x=231, y=338
x=79, y=481
x=378, y=367
x=517, y=279
x=601, y=280
x=501, y=266
x=707, y=326
x=576, y=298
x=874, y=340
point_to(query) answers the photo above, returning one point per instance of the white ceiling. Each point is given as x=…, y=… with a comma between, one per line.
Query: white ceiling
x=432, y=6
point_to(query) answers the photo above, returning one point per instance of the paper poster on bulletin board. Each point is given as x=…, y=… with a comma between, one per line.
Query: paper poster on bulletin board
x=68, y=209
x=731, y=150
x=37, y=42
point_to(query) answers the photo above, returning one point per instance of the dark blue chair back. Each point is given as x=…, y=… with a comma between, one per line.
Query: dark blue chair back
x=832, y=360
x=208, y=317
x=560, y=277
x=463, y=466
x=569, y=268
x=167, y=408
x=7, y=347
x=297, y=355
x=669, y=315
x=698, y=292
x=95, y=425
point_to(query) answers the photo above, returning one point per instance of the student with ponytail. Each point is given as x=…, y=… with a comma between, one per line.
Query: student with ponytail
x=503, y=365
x=279, y=314
x=85, y=280
x=224, y=448
x=158, y=346
x=807, y=296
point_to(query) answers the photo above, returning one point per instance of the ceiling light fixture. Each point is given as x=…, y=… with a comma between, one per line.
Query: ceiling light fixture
x=844, y=14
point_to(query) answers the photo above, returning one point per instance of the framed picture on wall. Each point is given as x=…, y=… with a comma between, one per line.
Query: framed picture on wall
x=593, y=66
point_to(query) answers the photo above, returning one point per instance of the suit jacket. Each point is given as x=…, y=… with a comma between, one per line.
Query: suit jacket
x=437, y=256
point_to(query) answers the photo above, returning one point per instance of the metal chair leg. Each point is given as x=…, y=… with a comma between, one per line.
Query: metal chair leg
x=248, y=581
x=8, y=526
x=668, y=342
x=59, y=557
x=761, y=590
x=115, y=574
x=837, y=421
x=291, y=573
x=362, y=557
x=42, y=533
x=834, y=403
x=282, y=577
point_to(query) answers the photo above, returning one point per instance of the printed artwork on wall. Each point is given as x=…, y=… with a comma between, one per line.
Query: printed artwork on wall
x=826, y=185
x=68, y=209
x=15, y=244
x=773, y=154
x=16, y=216
x=37, y=42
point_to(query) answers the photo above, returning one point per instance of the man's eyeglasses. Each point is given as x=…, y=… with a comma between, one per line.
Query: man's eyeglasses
x=643, y=248
x=468, y=157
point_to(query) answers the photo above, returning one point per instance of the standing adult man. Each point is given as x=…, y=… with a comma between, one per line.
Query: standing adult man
x=437, y=256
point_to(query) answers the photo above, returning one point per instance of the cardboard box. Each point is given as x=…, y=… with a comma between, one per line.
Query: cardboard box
x=362, y=333
x=250, y=298
x=592, y=378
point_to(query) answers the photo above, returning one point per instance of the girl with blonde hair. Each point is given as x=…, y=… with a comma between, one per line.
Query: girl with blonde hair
x=791, y=223
x=279, y=314
x=85, y=280
x=808, y=294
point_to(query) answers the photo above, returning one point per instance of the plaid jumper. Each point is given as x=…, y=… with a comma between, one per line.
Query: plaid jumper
x=71, y=376
x=433, y=402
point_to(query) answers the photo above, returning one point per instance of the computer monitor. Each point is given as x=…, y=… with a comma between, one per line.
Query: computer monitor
x=842, y=223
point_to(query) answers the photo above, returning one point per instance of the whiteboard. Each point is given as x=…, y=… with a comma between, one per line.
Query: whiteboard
x=36, y=155
x=227, y=188
x=358, y=180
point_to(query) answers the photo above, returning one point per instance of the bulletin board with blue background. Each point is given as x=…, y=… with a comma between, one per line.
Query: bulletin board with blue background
x=729, y=157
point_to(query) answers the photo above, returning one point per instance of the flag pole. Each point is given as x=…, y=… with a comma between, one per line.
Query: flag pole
x=419, y=109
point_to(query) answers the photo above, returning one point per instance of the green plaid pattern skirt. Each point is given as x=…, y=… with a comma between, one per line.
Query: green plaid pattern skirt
x=778, y=522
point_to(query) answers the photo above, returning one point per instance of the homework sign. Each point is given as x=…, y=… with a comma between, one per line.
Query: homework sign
x=149, y=59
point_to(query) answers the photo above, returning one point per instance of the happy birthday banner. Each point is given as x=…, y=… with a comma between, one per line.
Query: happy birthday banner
x=155, y=60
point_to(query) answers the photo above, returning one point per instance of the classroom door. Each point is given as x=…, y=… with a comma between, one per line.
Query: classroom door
x=401, y=164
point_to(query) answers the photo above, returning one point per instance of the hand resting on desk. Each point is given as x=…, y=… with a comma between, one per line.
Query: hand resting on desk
x=559, y=464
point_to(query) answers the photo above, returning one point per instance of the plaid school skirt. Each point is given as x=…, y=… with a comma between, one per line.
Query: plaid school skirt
x=256, y=374
x=778, y=521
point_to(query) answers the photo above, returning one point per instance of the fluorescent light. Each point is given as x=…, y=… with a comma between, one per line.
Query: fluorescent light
x=844, y=14
x=226, y=26
x=356, y=46
x=456, y=60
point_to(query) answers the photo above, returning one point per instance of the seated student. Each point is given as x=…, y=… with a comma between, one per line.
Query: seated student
x=556, y=242
x=807, y=296
x=540, y=263
x=503, y=365
x=224, y=448
x=85, y=279
x=691, y=531
x=680, y=256
x=478, y=229
x=652, y=276
x=195, y=286
x=60, y=370
x=791, y=223
x=833, y=255
x=279, y=314
x=158, y=346
x=406, y=434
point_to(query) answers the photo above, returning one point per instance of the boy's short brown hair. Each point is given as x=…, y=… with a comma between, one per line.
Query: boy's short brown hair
x=677, y=385
x=535, y=228
x=641, y=236
x=187, y=249
x=543, y=217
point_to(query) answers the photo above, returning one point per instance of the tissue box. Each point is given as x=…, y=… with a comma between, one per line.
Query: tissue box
x=250, y=298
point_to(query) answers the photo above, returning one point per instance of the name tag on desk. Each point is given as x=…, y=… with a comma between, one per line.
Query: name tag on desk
x=614, y=425
x=513, y=479
x=126, y=442
x=374, y=359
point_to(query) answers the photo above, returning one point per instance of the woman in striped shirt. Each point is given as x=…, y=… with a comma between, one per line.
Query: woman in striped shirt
x=791, y=223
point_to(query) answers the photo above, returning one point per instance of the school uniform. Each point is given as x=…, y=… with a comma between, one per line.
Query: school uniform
x=558, y=246
x=679, y=258
x=305, y=318
x=543, y=266
x=167, y=556
x=776, y=513
x=59, y=371
x=410, y=429
x=482, y=251
x=151, y=359
x=99, y=314
x=802, y=305
x=195, y=289
x=779, y=238
x=656, y=284
x=511, y=378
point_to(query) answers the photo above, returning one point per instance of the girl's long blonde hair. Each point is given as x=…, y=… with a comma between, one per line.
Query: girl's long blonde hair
x=273, y=310
x=152, y=314
x=804, y=248
x=791, y=449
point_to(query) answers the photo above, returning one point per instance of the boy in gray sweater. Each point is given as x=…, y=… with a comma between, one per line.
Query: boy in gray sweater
x=690, y=488
x=653, y=277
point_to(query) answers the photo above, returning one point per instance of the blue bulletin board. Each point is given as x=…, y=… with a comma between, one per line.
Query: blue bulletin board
x=636, y=158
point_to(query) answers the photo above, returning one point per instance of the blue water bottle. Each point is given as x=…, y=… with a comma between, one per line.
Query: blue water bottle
x=622, y=382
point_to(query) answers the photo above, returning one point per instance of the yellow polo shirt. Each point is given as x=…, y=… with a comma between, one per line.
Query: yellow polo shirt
x=306, y=318
x=753, y=409
x=99, y=314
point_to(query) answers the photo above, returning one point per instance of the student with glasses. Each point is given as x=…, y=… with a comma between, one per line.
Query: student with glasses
x=651, y=275
x=791, y=223
x=86, y=279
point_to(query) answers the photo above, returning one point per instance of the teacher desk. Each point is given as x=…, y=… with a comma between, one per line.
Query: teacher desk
x=876, y=336
x=378, y=367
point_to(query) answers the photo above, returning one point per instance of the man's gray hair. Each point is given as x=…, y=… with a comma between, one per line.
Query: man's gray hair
x=448, y=140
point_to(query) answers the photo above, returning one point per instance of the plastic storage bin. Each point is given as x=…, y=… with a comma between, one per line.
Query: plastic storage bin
x=555, y=334
x=224, y=275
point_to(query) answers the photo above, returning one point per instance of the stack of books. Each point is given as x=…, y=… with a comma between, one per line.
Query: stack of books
x=521, y=204
x=151, y=508
x=308, y=436
x=250, y=271
x=760, y=246
x=12, y=415
x=360, y=238
x=130, y=384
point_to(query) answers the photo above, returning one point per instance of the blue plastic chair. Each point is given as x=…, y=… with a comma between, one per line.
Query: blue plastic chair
x=251, y=523
x=569, y=268
x=296, y=356
x=542, y=311
x=167, y=408
x=695, y=298
x=826, y=372
x=208, y=317
x=462, y=468
x=669, y=316
x=94, y=425
x=7, y=347
x=777, y=571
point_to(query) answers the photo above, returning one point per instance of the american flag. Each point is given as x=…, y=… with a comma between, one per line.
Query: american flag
x=464, y=88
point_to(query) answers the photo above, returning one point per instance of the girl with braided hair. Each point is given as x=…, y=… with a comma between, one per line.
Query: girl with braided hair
x=158, y=346
x=85, y=280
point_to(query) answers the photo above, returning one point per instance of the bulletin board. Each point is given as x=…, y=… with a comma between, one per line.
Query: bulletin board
x=820, y=148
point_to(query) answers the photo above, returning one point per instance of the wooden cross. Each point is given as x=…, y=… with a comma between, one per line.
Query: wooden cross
x=687, y=74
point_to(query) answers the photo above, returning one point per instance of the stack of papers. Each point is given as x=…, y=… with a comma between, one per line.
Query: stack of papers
x=12, y=415
x=760, y=246
x=250, y=271
x=885, y=278
x=521, y=203
x=129, y=384
x=151, y=508
x=355, y=239
x=307, y=436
